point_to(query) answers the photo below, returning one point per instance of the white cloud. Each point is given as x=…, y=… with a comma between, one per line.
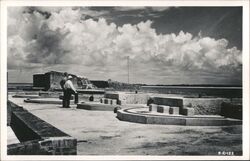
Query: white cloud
x=65, y=38
x=160, y=9
x=129, y=8
x=133, y=8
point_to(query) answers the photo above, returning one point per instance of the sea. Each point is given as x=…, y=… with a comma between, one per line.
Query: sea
x=196, y=91
x=187, y=91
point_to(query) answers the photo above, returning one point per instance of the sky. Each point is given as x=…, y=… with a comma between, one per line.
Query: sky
x=164, y=45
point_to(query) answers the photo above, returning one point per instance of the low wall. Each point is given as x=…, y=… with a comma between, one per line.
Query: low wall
x=38, y=137
x=232, y=110
x=11, y=107
x=205, y=106
x=175, y=102
x=201, y=106
x=128, y=98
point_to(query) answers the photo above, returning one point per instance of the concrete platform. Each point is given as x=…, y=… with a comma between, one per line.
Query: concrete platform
x=46, y=101
x=101, y=133
x=96, y=106
x=142, y=115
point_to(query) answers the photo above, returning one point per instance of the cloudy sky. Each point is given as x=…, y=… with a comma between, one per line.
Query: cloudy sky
x=165, y=45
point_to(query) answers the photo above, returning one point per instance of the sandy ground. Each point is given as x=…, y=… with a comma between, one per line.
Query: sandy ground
x=101, y=133
x=11, y=139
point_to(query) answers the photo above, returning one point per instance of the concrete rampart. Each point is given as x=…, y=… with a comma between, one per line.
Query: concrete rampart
x=36, y=136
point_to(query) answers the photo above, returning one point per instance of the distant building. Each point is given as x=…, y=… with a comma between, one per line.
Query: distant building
x=51, y=81
x=100, y=83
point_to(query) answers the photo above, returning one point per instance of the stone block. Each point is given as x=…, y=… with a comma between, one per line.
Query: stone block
x=174, y=110
x=188, y=111
x=107, y=101
x=163, y=109
x=153, y=107
x=113, y=102
x=102, y=100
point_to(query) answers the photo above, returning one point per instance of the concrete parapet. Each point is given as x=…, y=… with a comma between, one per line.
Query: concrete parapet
x=174, y=110
x=163, y=109
x=153, y=107
x=187, y=111
x=37, y=137
x=11, y=107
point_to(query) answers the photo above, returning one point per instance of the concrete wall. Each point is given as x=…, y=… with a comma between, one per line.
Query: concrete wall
x=202, y=106
x=205, y=106
x=231, y=110
x=128, y=98
x=11, y=107
x=173, y=102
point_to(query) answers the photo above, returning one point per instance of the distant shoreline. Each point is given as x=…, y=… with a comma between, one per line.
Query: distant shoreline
x=194, y=87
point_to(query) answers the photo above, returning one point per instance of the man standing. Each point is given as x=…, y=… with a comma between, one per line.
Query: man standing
x=62, y=82
x=69, y=89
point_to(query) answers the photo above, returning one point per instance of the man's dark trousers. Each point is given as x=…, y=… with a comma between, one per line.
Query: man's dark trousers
x=64, y=98
x=68, y=93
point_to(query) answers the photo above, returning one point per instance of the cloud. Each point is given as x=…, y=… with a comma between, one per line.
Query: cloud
x=90, y=46
x=133, y=8
x=129, y=8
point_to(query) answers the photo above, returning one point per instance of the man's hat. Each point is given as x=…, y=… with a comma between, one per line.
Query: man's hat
x=70, y=77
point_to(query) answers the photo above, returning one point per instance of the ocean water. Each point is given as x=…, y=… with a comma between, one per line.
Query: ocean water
x=194, y=91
